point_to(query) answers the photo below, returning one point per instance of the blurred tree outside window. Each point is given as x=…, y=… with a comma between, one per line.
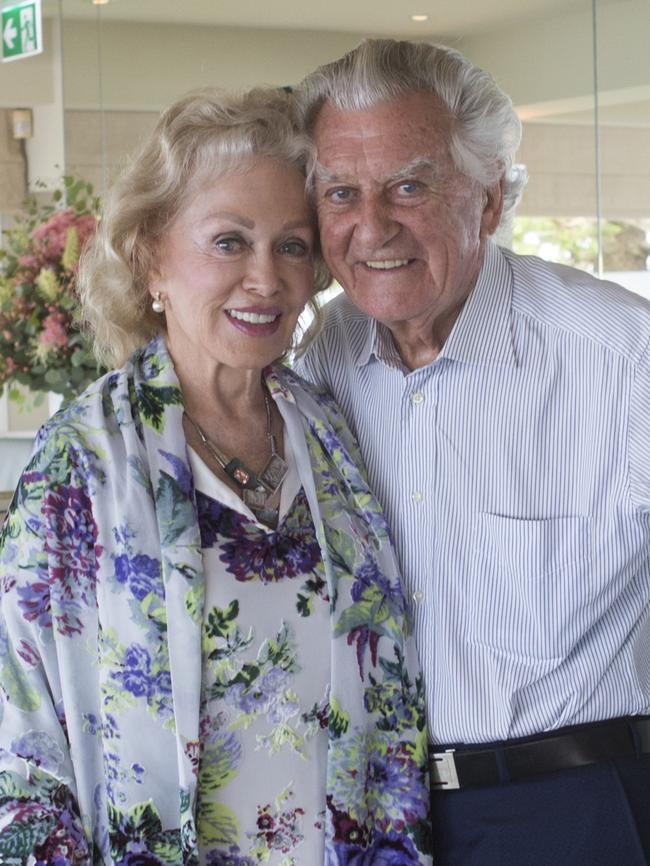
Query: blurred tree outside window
x=574, y=241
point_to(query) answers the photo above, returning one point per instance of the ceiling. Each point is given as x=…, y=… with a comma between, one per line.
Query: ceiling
x=447, y=18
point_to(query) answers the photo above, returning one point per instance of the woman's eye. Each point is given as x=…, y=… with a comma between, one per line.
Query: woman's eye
x=294, y=248
x=229, y=244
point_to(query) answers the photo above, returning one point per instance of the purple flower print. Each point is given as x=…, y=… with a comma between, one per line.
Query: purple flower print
x=264, y=696
x=71, y=545
x=145, y=575
x=385, y=851
x=138, y=683
x=136, y=656
x=40, y=749
x=251, y=553
x=142, y=858
x=136, y=676
x=34, y=601
x=122, y=568
x=231, y=857
x=66, y=843
x=367, y=575
x=163, y=683
x=141, y=572
x=72, y=532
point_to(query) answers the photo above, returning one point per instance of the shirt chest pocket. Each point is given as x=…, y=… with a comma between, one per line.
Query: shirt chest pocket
x=530, y=584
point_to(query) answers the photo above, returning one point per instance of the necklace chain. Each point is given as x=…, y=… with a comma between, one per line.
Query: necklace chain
x=257, y=489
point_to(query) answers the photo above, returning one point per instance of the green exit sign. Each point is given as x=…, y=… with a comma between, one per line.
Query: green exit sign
x=22, y=33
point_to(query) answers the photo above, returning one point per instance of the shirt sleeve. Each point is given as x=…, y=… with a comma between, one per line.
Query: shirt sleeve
x=640, y=435
x=39, y=815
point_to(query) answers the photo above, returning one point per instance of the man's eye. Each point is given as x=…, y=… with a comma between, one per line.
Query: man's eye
x=339, y=195
x=409, y=187
x=229, y=244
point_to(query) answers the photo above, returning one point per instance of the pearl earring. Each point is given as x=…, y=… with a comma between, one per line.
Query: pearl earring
x=157, y=305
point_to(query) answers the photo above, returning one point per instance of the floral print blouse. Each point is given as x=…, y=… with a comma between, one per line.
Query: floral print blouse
x=266, y=674
x=105, y=653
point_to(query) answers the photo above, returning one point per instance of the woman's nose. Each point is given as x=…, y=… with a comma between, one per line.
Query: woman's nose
x=262, y=275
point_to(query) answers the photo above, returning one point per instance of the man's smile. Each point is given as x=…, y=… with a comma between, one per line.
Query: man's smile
x=387, y=264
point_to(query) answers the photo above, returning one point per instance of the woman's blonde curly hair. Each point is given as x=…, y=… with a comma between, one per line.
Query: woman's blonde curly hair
x=205, y=134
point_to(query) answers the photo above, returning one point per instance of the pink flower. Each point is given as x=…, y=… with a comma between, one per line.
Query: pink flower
x=10, y=364
x=28, y=261
x=53, y=232
x=54, y=334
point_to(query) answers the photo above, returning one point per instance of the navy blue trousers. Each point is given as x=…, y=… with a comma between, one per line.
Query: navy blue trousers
x=597, y=815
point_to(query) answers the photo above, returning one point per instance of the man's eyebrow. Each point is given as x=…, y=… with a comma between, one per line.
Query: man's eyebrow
x=324, y=175
x=421, y=165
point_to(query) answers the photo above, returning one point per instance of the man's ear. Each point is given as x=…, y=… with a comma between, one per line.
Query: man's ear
x=493, y=208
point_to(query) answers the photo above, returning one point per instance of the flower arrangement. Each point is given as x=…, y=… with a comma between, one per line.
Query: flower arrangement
x=40, y=346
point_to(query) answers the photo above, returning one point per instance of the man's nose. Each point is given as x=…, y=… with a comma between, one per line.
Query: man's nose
x=375, y=224
x=262, y=274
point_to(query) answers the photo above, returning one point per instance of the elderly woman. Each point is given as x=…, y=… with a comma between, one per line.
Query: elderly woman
x=202, y=644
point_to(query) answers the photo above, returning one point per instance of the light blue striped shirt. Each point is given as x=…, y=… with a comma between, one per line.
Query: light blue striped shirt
x=515, y=471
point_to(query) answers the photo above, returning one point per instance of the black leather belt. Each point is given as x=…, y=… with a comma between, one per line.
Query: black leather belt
x=519, y=760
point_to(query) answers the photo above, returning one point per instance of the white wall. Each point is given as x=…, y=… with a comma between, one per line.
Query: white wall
x=549, y=60
x=148, y=66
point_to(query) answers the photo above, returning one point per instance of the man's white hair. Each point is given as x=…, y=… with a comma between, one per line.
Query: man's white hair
x=485, y=129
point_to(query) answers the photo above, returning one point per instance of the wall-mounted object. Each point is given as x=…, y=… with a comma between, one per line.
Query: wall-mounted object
x=22, y=125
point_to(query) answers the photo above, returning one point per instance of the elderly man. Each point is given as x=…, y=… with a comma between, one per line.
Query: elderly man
x=501, y=404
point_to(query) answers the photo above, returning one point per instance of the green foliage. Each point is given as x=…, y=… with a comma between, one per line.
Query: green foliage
x=574, y=241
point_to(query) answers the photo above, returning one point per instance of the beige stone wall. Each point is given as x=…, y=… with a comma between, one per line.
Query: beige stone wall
x=97, y=143
x=12, y=167
x=561, y=163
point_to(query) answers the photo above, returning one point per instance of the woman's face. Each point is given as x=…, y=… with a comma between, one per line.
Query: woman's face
x=235, y=268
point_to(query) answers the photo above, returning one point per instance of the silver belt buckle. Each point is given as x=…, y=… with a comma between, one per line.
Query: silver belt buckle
x=443, y=770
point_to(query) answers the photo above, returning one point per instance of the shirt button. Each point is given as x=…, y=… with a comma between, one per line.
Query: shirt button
x=418, y=596
x=417, y=397
x=417, y=496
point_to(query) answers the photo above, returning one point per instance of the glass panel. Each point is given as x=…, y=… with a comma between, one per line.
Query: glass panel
x=557, y=217
x=624, y=112
x=107, y=71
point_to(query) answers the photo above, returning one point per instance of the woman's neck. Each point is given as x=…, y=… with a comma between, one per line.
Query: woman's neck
x=215, y=391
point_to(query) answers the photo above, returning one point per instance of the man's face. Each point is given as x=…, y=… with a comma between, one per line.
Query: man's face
x=402, y=230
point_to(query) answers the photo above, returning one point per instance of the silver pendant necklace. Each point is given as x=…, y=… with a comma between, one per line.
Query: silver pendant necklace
x=257, y=489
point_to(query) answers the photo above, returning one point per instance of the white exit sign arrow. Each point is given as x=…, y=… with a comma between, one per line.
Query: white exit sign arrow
x=9, y=35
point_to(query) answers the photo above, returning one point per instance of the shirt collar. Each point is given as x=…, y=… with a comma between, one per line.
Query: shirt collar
x=483, y=331
x=378, y=343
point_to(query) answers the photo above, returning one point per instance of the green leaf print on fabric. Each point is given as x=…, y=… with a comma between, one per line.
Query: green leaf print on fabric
x=222, y=621
x=339, y=720
x=194, y=603
x=44, y=820
x=174, y=509
x=153, y=400
x=15, y=683
x=140, y=828
x=217, y=824
x=313, y=588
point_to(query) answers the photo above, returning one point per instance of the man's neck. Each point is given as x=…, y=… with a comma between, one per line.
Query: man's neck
x=420, y=344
